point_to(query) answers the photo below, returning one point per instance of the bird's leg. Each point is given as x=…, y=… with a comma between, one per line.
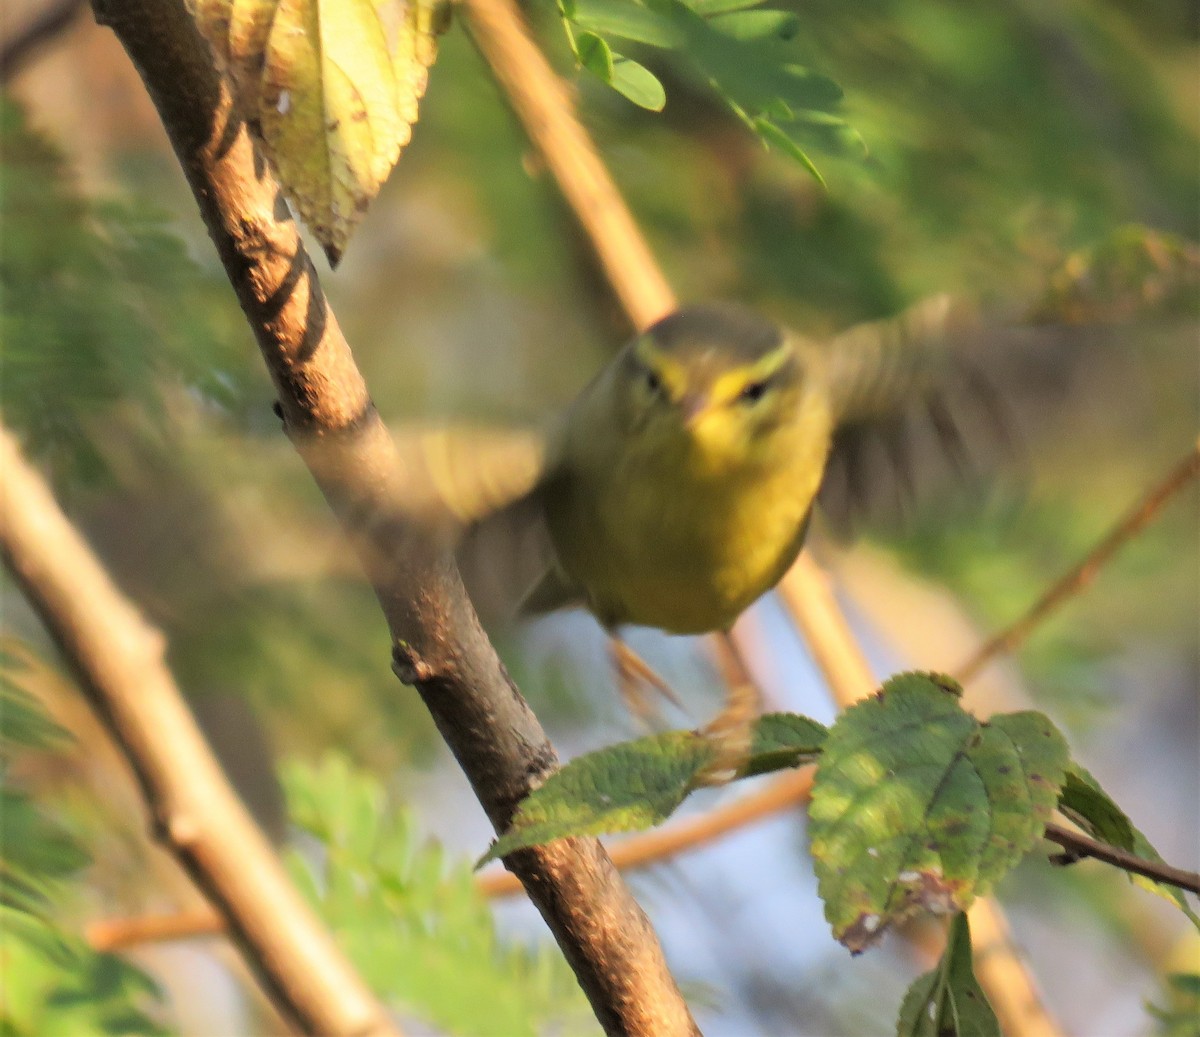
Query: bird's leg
x=731, y=732
x=634, y=675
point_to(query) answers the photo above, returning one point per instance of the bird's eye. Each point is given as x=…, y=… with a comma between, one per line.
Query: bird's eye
x=653, y=381
x=753, y=392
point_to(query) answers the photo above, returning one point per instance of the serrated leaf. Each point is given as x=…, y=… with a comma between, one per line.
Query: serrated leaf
x=638, y=84
x=623, y=788
x=918, y=805
x=595, y=55
x=783, y=740
x=949, y=1002
x=1088, y=805
x=757, y=25
x=638, y=784
x=333, y=86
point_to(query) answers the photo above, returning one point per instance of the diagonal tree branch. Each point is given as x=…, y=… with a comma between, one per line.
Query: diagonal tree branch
x=438, y=643
x=118, y=660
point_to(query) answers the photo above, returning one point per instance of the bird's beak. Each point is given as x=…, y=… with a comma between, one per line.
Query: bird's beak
x=693, y=406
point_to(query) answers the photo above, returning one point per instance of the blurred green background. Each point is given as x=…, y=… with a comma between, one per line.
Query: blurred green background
x=1038, y=158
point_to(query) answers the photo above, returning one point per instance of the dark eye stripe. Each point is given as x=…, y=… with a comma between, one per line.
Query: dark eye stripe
x=755, y=391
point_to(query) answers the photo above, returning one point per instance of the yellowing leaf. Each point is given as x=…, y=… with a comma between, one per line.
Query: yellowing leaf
x=333, y=87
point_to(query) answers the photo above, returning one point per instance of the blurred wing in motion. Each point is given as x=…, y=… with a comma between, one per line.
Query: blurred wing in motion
x=460, y=474
x=479, y=484
x=911, y=401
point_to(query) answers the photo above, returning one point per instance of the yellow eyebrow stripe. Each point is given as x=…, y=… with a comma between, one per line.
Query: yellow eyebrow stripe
x=730, y=384
x=672, y=373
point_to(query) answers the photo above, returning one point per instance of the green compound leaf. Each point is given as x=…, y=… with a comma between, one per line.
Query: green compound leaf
x=949, y=1002
x=918, y=805
x=638, y=784
x=1089, y=806
x=747, y=57
x=757, y=25
x=629, y=22
x=638, y=84
x=595, y=55
x=411, y=917
x=22, y=720
x=773, y=136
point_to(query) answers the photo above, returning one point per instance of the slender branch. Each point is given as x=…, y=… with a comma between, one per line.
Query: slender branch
x=1075, y=580
x=806, y=593
x=24, y=44
x=541, y=102
x=118, y=660
x=112, y=934
x=438, y=644
x=1079, y=845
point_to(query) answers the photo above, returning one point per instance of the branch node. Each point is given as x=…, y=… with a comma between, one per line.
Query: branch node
x=406, y=665
x=179, y=829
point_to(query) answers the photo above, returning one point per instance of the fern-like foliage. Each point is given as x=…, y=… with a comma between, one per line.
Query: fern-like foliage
x=411, y=919
x=53, y=982
x=100, y=306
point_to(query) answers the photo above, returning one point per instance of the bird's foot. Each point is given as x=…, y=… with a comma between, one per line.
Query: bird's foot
x=634, y=677
x=730, y=734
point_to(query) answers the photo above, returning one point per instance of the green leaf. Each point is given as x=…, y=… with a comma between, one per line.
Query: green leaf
x=949, y=1002
x=413, y=921
x=638, y=84
x=629, y=22
x=918, y=805
x=23, y=722
x=595, y=55
x=773, y=135
x=638, y=784
x=334, y=87
x=757, y=25
x=1088, y=805
x=623, y=788
x=783, y=740
x=707, y=8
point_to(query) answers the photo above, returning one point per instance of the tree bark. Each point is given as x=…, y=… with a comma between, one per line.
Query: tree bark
x=438, y=644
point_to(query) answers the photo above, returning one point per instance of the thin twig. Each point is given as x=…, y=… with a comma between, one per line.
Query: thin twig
x=117, y=659
x=1079, y=845
x=1075, y=580
x=113, y=934
x=438, y=644
x=24, y=44
x=541, y=102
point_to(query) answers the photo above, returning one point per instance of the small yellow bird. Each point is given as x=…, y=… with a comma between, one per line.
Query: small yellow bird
x=677, y=488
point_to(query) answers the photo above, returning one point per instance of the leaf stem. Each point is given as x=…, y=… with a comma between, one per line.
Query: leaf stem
x=1079, y=845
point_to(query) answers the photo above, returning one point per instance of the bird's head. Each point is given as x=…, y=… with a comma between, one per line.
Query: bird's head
x=712, y=383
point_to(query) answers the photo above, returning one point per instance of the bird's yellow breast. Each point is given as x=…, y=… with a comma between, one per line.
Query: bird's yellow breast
x=683, y=540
